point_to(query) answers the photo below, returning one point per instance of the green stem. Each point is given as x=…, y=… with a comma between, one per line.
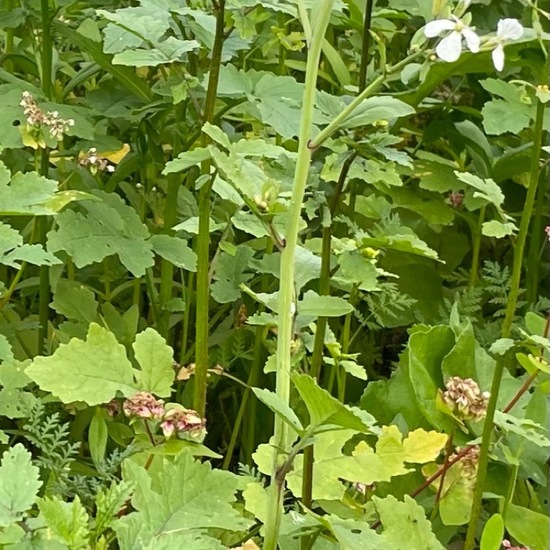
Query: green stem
x=519, y=249
x=512, y=480
x=533, y=276
x=203, y=237
x=365, y=45
x=372, y=88
x=44, y=272
x=286, y=304
x=167, y=268
x=476, y=247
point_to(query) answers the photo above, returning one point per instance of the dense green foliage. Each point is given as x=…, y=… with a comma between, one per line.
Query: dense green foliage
x=272, y=274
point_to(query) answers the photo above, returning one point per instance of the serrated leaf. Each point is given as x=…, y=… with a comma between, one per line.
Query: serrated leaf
x=156, y=360
x=109, y=227
x=405, y=524
x=66, y=522
x=19, y=484
x=182, y=495
x=528, y=429
x=93, y=371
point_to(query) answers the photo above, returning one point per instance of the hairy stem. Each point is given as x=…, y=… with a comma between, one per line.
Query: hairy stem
x=203, y=238
x=519, y=249
x=286, y=289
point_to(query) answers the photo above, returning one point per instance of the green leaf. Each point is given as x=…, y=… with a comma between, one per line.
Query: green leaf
x=493, y=533
x=498, y=229
x=325, y=409
x=109, y=227
x=175, y=250
x=402, y=243
x=30, y=193
x=167, y=51
x=405, y=524
x=186, y=160
x=276, y=405
x=426, y=351
x=93, y=371
x=13, y=251
x=127, y=77
x=19, y=484
x=109, y=502
x=512, y=114
x=528, y=429
x=97, y=436
x=529, y=528
x=230, y=273
x=181, y=496
x=313, y=305
x=376, y=109
x=66, y=522
x=353, y=534
x=355, y=268
x=156, y=360
x=74, y=301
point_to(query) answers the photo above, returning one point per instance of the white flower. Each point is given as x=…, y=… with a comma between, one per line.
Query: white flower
x=450, y=48
x=507, y=29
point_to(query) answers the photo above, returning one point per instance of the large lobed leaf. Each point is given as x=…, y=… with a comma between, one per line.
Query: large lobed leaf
x=181, y=499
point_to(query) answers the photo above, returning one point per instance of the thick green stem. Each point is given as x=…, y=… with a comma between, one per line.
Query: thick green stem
x=476, y=247
x=287, y=299
x=519, y=249
x=203, y=237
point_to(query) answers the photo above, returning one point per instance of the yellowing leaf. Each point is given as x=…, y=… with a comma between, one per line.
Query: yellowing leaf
x=422, y=446
x=116, y=156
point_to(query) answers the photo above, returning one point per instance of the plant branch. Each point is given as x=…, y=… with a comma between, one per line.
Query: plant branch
x=203, y=238
x=519, y=249
x=287, y=300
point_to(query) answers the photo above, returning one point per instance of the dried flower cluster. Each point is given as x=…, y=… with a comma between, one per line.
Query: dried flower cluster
x=465, y=399
x=37, y=119
x=176, y=420
x=468, y=462
x=508, y=545
x=95, y=162
x=183, y=421
x=144, y=405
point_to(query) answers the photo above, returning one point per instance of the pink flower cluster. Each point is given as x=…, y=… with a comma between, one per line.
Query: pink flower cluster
x=177, y=420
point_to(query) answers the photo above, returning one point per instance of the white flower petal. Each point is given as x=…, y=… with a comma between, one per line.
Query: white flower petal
x=450, y=48
x=498, y=57
x=509, y=29
x=435, y=28
x=472, y=39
